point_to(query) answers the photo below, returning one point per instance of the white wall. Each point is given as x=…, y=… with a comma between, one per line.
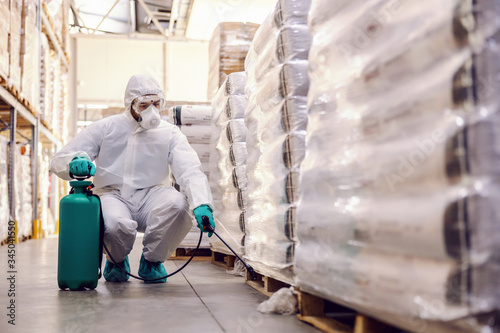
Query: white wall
x=187, y=74
x=206, y=14
x=104, y=65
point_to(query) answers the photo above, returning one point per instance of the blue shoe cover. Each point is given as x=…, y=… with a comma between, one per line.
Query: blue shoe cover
x=152, y=270
x=113, y=274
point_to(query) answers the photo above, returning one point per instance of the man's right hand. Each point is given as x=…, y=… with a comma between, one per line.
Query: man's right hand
x=81, y=166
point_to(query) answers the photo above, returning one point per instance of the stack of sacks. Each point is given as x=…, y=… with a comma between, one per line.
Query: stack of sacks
x=400, y=185
x=43, y=187
x=45, y=96
x=276, y=118
x=194, y=122
x=23, y=189
x=15, y=44
x=63, y=119
x=4, y=191
x=228, y=161
x=57, y=12
x=4, y=38
x=54, y=93
x=227, y=49
x=30, y=53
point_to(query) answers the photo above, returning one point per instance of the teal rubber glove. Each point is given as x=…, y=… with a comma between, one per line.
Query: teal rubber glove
x=81, y=166
x=199, y=212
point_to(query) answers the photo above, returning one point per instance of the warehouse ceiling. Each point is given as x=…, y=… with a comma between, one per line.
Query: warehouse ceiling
x=167, y=19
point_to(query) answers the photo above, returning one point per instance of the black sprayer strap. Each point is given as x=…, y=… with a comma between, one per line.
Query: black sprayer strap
x=101, y=235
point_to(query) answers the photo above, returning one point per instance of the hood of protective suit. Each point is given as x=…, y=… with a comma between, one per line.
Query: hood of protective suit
x=140, y=85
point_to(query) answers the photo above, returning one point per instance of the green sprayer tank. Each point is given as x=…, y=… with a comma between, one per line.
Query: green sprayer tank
x=79, y=241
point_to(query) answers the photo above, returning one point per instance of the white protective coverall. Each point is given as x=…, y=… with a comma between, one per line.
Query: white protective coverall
x=132, y=178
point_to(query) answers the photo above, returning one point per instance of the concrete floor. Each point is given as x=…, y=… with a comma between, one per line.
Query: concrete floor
x=204, y=298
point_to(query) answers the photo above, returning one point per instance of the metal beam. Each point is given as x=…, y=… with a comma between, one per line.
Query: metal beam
x=171, y=22
x=155, y=20
x=106, y=16
x=53, y=39
x=12, y=101
x=21, y=110
x=12, y=163
x=35, y=137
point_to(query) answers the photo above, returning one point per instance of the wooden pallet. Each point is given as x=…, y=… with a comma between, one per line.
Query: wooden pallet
x=223, y=260
x=265, y=284
x=334, y=318
x=3, y=82
x=186, y=253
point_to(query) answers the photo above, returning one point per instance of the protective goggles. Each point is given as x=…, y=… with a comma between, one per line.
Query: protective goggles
x=144, y=102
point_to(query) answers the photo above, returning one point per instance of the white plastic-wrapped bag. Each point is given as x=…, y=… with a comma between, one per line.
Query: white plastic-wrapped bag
x=282, y=302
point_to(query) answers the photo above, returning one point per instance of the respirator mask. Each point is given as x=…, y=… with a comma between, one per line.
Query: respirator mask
x=149, y=108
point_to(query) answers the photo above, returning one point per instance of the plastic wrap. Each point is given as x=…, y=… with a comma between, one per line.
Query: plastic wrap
x=290, y=43
x=15, y=44
x=285, y=13
x=285, y=80
x=4, y=191
x=228, y=162
x=30, y=53
x=276, y=120
x=398, y=190
x=236, y=130
x=199, y=134
x=4, y=38
x=228, y=48
x=282, y=301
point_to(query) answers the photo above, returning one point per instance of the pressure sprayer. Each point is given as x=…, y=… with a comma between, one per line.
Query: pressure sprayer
x=81, y=234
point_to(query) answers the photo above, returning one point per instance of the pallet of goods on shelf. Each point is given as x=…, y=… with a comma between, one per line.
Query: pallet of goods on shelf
x=4, y=40
x=29, y=57
x=4, y=191
x=228, y=48
x=14, y=79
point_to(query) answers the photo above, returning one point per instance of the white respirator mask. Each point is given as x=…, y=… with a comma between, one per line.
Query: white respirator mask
x=149, y=108
x=149, y=118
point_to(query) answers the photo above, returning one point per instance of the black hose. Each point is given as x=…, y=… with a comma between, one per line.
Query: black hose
x=160, y=278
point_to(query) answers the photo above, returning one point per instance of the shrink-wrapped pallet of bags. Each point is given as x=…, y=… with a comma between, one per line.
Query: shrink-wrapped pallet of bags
x=276, y=118
x=194, y=122
x=228, y=48
x=228, y=161
x=397, y=216
x=4, y=39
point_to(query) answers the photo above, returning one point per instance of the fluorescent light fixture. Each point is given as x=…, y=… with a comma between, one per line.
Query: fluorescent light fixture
x=81, y=106
x=97, y=106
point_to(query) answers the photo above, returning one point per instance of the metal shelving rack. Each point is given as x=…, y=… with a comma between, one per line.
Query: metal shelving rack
x=22, y=124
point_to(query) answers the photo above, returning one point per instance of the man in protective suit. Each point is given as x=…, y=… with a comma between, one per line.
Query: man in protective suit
x=133, y=152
